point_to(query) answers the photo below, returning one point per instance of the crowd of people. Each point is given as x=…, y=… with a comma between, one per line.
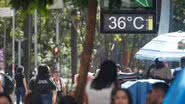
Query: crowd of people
x=102, y=87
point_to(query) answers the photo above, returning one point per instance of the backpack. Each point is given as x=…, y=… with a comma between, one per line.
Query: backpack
x=8, y=85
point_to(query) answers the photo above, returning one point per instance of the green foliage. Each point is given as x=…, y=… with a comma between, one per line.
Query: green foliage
x=113, y=4
x=18, y=34
x=179, y=15
x=2, y=3
x=80, y=3
x=28, y=6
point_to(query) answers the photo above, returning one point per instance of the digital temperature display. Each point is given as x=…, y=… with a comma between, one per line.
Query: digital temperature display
x=128, y=23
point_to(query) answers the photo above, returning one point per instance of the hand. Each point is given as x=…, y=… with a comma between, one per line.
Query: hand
x=27, y=92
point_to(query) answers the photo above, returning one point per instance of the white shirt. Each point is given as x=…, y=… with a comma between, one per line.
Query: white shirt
x=102, y=96
x=2, y=79
x=59, y=84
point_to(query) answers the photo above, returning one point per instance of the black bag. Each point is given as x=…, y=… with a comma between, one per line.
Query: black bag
x=8, y=84
x=59, y=93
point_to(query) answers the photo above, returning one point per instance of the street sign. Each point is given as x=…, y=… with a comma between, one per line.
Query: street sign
x=6, y=12
x=145, y=3
x=130, y=4
x=57, y=4
x=128, y=23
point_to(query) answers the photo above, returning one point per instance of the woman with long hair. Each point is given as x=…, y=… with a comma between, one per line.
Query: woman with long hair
x=99, y=90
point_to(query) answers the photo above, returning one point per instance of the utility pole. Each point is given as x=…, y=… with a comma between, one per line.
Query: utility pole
x=57, y=6
x=4, y=50
x=57, y=40
x=19, y=51
x=13, y=44
x=35, y=43
x=165, y=17
x=5, y=39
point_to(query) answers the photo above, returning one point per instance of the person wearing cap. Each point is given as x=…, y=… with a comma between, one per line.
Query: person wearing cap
x=160, y=71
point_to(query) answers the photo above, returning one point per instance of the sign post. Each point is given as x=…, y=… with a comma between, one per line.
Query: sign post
x=134, y=16
x=8, y=12
x=57, y=6
x=13, y=44
x=35, y=40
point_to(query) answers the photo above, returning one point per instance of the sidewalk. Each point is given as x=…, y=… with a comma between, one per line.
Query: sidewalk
x=14, y=99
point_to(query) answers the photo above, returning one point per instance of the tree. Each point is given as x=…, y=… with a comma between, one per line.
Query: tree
x=87, y=51
x=74, y=51
x=27, y=7
x=178, y=22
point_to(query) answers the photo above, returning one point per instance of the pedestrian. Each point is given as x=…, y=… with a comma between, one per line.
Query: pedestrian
x=42, y=88
x=118, y=69
x=176, y=91
x=128, y=70
x=99, y=90
x=6, y=83
x=21, y=88
x=59, y=83
x=5, y=99
x=179, y=69
x=1, y=80
x=121, y=96
x=160, y=71
x=157, y=94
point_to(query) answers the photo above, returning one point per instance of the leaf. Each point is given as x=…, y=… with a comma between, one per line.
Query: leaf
x=28, y=6
x=114, y=4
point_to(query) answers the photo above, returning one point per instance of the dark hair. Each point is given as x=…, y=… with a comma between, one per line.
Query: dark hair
x=124, y=90
x=159, y=64
x=7, y=96
x=43, y=72
x=19, y=70
x=160, y=85
x=183, y=61
x=107, y=75
x=66, y=100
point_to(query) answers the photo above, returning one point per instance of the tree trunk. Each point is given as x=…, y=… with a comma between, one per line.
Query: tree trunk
x=134, y=42
x=27, y=45
x=74, y=51
x=87, y=51
x=124, y=51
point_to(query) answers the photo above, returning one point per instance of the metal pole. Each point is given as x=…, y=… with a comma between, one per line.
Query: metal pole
x=19, y=53
x=57, y=40
x=4, y=50
x=165, y=17
x=35, y=46
x=13, y=44
x=57, y=30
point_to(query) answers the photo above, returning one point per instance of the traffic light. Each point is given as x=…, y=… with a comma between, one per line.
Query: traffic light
x=56, y=52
